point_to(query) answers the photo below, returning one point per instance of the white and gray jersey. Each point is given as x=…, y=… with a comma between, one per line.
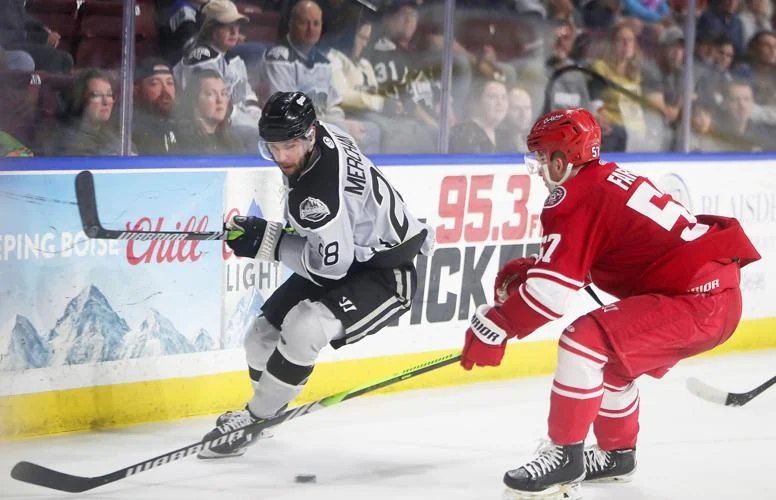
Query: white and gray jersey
x=285, y=68
x=348, y=213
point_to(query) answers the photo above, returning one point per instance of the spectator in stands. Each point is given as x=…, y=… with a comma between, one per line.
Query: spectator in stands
x=204, y=126
x=16, y=60
x=569, y=90
x=679, y=11
x=620, y=65
x=88, y=129
x=220, y=32
x=649, y=11
x=153, y=127
x=353, y=76
x=296, y=63
x=408, y=124
x=715, y=79
x=735, y=126
x=179, y=21
x=487, y=109
x=21, y=31
x=703, y=137
x=11, y=147
x=600, y=15
x=340, y=19
x=511, y=135
x=762, y=59
x=663, y=78
x=756, y=16
x=564, y=10
x=721, y=19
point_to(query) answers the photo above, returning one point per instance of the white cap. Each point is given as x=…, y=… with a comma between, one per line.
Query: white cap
x=222, y=11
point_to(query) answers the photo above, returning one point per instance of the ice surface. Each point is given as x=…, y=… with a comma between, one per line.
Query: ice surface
x=452, y=444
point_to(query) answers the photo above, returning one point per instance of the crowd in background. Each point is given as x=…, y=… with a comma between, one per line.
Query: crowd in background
x=204, y=68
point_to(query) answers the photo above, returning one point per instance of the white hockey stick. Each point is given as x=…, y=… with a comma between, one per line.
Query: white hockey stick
x=709, y=393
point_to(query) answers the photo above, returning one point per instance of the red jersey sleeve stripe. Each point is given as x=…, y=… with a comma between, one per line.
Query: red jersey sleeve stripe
x=557, y=277
x=536, y=305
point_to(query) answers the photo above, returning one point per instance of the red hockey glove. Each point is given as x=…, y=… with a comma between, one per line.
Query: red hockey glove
x=486, y=338
x=510, y=277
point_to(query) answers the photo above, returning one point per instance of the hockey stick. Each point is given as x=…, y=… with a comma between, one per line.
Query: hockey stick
x=90, y=220
x=49, y=478
x=709, y=393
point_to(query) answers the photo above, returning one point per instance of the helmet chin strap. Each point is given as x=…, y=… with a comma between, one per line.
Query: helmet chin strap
x=566, y=175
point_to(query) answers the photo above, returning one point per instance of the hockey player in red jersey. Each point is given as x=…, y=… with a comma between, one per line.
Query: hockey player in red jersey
x=676, y=277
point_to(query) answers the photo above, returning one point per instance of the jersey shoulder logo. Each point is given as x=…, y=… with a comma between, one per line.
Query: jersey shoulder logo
x=328, y=142
x=556, y=196
x=384, y=45
x=278, y=53
x=313, y=210
x=200, y=54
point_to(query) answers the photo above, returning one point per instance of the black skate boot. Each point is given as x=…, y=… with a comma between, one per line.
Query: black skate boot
x=555, y=473
x=609, y=466
x=236, y=445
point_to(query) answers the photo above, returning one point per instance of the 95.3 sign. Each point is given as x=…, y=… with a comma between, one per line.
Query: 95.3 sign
x=475, y=208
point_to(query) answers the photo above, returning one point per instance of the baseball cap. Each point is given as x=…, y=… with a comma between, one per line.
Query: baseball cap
x=671, y=36
x=151, y=66
x=222, y=11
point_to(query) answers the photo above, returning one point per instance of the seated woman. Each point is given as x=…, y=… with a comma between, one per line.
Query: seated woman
x=204, y=125
x=87, y=127
x=488, y=107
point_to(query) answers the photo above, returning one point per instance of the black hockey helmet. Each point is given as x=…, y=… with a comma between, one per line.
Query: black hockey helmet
x=286, y=116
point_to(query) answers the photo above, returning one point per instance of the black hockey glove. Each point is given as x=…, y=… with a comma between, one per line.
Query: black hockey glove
x=259, y=240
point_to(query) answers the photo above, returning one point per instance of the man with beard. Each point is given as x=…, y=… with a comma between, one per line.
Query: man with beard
x=154, y=98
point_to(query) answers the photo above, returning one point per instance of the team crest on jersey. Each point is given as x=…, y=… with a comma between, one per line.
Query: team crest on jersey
x=556, y=196
x=328, y=142
x=200, y=53
x=278, y=52
x=313, y=210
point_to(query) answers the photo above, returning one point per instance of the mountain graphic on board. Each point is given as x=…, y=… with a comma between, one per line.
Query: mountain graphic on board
x=204, y=342
x=248, y=308
x=25, y=348
x=89, y=331
x=156, y=336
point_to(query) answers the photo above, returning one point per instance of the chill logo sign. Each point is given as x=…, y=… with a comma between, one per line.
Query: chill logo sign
x=165, y=251
x=481, y=222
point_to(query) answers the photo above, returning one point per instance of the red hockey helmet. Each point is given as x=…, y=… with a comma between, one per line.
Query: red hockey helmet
x=573, y=132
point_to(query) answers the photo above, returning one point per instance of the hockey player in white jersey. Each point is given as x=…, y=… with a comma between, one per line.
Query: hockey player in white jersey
x=351, y=242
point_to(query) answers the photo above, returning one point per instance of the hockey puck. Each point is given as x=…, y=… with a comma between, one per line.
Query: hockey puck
x=305, y=478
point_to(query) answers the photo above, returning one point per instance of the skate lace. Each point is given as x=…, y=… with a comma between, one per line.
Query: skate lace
x=596, y=459
x=549, y=458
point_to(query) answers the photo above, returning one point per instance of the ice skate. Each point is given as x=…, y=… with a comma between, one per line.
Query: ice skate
x=609, y=466
x=554, y=474
x=237, y=444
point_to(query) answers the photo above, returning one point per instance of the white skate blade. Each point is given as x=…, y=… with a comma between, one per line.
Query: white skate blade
x=571, y=491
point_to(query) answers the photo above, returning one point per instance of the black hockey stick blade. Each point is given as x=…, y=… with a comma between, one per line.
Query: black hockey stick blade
x=90, y=220
x=32, y=473
x=43, y=476
x=714, y=395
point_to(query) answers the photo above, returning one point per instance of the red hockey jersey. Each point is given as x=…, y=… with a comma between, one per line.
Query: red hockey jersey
x=616, y=229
